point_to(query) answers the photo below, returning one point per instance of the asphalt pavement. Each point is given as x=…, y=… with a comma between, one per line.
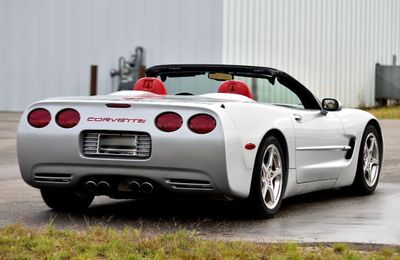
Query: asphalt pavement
x=327, y=216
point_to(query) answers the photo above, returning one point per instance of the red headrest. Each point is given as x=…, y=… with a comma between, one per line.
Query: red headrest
x=153, y=85
x=235, y=87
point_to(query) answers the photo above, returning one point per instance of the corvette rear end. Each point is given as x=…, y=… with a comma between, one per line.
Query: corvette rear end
x=123, y=147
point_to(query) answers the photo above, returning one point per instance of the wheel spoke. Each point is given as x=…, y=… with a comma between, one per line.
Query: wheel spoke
x=371, y=145
x=271, y=193
x=270, y=158
x=374, y=161
x=366, y=163
x=264, y=169
x=367, y=173
x=371, y=176
x=264, y=190
x=365, y=155
x=372, y=172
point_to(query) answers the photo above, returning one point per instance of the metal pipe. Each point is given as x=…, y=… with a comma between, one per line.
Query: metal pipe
x=103, y=187
x=91, y=186
x=93, y=80
x=134, y=186
x=146, y=187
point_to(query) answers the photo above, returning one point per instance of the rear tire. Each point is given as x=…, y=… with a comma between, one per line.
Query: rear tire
x=269, y=178
x=369, y=162
x=66, y=200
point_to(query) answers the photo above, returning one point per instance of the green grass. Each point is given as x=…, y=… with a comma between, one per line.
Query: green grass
x=19, y=242
x=389, y=112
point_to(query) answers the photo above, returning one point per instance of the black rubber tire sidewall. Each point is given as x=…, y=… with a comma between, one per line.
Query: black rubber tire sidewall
x=66, y=200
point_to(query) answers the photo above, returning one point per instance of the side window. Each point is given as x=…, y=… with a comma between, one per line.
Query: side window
x=277, y=93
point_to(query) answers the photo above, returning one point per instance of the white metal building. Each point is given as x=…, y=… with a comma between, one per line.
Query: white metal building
x=331, y=46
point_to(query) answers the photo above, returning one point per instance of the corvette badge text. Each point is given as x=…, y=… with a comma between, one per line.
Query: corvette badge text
x=116, y=120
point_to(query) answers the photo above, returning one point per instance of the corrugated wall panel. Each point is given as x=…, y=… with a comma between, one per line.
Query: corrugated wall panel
x=331, y=46
x=47, y=47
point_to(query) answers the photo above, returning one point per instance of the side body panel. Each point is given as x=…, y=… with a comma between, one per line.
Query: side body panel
x=319, y=146
x=353, y=122
x=253, y=123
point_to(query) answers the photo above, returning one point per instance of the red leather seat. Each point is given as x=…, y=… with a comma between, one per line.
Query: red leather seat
x=235, y=87
x=153, y=85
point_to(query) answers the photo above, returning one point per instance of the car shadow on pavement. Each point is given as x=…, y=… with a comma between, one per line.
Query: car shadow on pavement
x=215, y=215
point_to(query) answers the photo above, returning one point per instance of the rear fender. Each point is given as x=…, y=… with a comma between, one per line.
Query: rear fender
x=253, y=122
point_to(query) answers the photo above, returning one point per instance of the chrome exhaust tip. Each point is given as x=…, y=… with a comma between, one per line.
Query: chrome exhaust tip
x=91, y=186
x=103, y=187
x=146, y=187
x=134, y=186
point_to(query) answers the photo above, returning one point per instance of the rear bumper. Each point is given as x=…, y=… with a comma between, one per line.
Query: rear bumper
x=50, y=161
x=171, y=179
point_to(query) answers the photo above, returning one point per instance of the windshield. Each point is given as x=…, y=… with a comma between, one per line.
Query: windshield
x=262, y=89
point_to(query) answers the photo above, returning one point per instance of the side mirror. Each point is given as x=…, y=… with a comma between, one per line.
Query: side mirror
x=331, y=104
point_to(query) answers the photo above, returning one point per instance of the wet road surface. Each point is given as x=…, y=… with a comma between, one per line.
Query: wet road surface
x=326, y=216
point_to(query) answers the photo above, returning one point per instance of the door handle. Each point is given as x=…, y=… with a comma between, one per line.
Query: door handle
x=298, y=118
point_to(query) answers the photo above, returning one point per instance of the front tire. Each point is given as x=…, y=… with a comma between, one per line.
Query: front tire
x=269, y=178
x=369, y=162
x=66, y=200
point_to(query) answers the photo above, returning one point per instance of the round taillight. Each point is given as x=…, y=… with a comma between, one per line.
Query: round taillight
x=39, y=117
x=68, y=118
x=202, y=123
x=169, y=121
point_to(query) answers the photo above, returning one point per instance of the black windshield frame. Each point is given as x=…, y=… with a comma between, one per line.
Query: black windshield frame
x=308, y=100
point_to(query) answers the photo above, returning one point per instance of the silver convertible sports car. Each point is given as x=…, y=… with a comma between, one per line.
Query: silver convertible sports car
x=233, y=132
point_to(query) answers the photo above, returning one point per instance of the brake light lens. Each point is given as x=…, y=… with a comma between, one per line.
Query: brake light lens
x=39, y=117
x=169, y=122
x=202, y=123
x=68, y=118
